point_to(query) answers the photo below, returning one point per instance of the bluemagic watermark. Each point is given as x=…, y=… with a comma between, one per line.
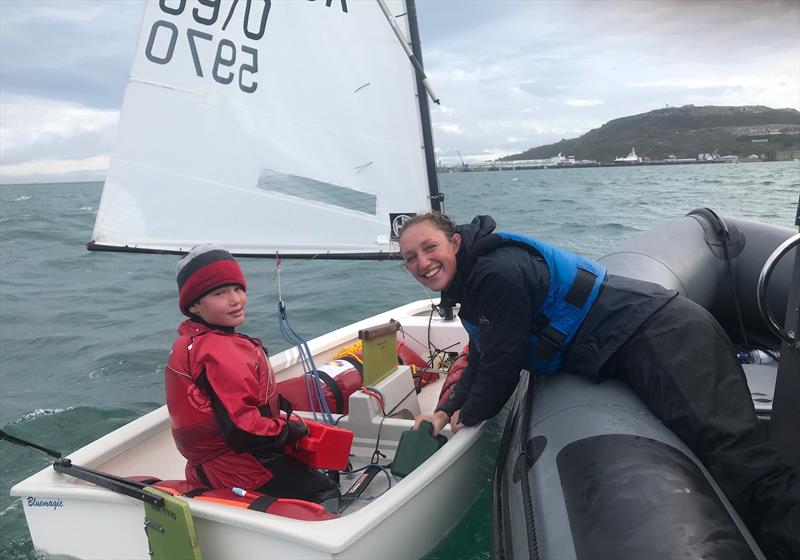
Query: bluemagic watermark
x=35, y=502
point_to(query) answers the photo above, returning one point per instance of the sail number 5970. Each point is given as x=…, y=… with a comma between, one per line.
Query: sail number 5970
x=224, y=60
x=164, y=36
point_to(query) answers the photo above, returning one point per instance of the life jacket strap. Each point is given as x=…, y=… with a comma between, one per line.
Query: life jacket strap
x=262, y=503
x=581, y=288
x=551, y=340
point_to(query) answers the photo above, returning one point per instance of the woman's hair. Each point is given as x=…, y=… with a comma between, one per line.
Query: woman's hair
x=439, y=221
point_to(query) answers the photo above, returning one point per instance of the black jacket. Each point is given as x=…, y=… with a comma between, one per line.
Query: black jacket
x=502, y=293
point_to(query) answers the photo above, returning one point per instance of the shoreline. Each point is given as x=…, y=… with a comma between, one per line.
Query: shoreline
x=507, y=166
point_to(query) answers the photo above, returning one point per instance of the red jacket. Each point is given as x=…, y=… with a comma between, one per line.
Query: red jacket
x=223, y=407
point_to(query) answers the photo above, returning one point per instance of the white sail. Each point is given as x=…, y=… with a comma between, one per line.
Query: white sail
x=284, y=126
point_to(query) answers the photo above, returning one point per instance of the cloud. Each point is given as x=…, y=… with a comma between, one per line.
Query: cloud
x=448, y=128
x=511, y=74
x=535, y=72
x=55, y=168
x=582, y=102
x=76, y=50
x=39, y=135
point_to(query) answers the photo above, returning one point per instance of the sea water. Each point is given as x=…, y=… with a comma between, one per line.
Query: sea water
x=84, y=336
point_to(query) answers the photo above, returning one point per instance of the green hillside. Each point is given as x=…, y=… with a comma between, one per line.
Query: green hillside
x=685, y=132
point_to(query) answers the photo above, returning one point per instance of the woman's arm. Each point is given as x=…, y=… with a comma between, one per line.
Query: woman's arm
x=502, y=301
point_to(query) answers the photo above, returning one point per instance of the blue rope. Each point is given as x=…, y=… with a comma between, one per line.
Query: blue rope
x=314, y=386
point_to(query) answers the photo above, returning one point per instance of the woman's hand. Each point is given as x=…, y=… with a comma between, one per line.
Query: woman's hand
x=439, y=420
x=455, y=425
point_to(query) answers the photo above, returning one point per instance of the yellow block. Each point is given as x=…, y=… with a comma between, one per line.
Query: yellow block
x=380, y=351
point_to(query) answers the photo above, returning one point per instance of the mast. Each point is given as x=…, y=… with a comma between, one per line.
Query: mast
x=437, y=198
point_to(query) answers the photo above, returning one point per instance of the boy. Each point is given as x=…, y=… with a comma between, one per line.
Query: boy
x=221, y=390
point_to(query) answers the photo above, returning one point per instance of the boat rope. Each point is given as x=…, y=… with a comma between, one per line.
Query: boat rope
x=349, y=500
x=377, y=454
x=314, y=386
x=433, y=351
x=528, y=496
x=725, y=237
x=723, y=234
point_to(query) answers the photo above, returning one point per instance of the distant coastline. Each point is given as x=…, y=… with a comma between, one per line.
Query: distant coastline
x=517, y=166
x=669, y=136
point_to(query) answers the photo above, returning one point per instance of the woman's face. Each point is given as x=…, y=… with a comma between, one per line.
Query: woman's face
x=429, y=255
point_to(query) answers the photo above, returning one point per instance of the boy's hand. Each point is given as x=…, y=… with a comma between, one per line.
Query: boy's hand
x=296, y=430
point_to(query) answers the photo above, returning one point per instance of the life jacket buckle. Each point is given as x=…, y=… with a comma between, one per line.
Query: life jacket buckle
x=551, y=341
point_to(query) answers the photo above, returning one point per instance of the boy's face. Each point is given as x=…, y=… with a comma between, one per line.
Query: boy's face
x=223, y=306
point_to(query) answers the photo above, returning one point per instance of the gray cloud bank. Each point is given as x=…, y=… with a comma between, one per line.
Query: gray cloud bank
x=511, y=74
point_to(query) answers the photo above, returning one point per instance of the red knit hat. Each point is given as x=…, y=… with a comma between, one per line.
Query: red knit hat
x=205, y=268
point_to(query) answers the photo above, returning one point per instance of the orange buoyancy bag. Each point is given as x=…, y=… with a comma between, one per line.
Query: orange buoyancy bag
x=340, y=379
x=246, y=499
x=453, y=375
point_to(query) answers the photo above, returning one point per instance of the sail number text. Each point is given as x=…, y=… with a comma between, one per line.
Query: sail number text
x=228, y=60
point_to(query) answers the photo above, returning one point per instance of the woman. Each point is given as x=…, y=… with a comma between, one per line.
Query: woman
x=528, y=305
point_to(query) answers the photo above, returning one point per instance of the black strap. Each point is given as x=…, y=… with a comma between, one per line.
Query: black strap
x=355, y=363
x=581, y=288
x=335, y=390
x=262, y=503
x=285, y=405
x=148, y=481
x=540, y=322
x=201, y=474
x=194, y=492
x=550, y=341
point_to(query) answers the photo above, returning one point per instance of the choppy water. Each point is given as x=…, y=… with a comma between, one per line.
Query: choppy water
x=84, y=336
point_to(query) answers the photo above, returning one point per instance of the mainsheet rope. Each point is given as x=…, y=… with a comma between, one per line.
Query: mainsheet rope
x=314, y=386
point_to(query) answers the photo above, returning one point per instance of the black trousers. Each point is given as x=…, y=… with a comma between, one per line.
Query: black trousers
x=681, y=363
x=293, y=479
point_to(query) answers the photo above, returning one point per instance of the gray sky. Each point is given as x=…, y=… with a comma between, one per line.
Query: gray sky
x=511, y=74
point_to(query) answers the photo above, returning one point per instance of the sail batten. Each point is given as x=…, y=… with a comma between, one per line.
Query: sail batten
x=295, y=132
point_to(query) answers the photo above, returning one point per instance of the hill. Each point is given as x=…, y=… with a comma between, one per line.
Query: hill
x=685, y=132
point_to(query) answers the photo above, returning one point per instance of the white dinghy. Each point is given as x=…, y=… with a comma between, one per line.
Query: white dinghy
x=297, y=129
x=404, y=521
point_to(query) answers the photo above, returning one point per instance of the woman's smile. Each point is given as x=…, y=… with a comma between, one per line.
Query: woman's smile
x=429, y=255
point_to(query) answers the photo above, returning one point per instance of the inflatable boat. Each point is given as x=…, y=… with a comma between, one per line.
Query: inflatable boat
x=587, y=471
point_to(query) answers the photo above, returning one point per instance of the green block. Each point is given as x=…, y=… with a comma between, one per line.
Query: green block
x=170, y=529
x=415, y=447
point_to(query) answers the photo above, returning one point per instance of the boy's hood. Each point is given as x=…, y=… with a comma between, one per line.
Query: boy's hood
x=192, y=328
x=196, y=326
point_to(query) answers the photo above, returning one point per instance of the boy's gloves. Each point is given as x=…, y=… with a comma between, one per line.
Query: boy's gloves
x=295, y=430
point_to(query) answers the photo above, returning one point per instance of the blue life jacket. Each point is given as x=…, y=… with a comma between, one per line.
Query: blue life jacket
x=573, y=288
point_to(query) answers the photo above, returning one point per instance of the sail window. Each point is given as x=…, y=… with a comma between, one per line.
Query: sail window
x=317, y=191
